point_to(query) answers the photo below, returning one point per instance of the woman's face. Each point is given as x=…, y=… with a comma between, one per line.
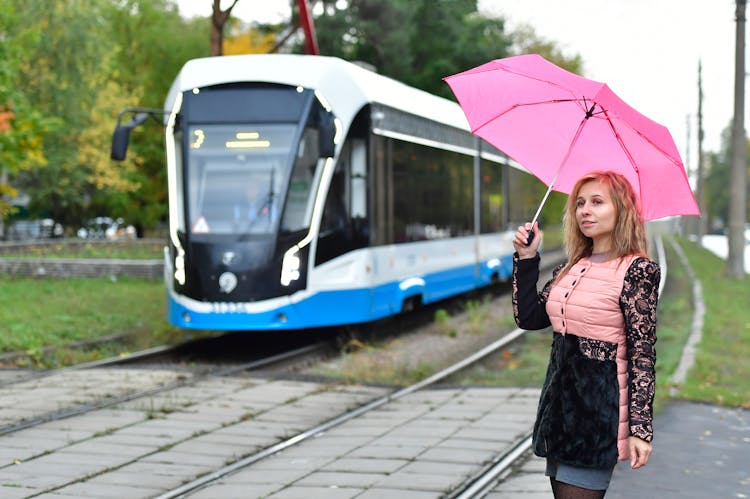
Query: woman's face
x=596, y=214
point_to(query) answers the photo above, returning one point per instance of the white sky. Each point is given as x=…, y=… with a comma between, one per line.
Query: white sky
x=647, y=51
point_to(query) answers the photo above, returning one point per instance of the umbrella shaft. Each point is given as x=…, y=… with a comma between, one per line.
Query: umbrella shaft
x=544, y=199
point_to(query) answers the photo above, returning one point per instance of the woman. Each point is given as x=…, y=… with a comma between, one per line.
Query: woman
x=596, y=402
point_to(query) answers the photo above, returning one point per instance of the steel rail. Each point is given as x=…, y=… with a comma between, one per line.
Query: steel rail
x=223, y=371
x=205, y=480
x=109, y=361
x=483, y=482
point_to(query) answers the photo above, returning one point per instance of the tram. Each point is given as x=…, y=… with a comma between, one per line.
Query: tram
x=307, y=191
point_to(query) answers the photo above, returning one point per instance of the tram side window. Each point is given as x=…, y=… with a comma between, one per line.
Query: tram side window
x=344, y=225
x=522, y=188
x=433, y=193
x=491, y=197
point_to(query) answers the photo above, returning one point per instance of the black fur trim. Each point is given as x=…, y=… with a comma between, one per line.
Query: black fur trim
x=579, y=409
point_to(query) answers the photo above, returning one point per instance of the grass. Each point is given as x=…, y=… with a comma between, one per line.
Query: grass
x=674, y=322
x=38, y=313
x=522, y=365
x=60, y=322
x=721, y=373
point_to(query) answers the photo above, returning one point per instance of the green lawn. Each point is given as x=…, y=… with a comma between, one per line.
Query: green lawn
x=721, y=373
x=41, y=312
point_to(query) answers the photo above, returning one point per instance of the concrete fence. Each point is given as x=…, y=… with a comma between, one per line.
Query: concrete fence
x=81, y=267
x=61, y=268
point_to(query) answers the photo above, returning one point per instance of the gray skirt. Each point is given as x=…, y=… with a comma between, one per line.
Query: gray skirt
x=586, y=478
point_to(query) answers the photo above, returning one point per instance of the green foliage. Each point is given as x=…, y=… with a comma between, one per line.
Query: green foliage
x=718, y=178
x=126, y=53
x=419, y=42
x=67, y=67
x=152, y=42
x=371, y=31
x=21, y=126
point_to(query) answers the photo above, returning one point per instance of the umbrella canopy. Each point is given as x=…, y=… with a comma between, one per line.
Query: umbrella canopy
x=560, y=126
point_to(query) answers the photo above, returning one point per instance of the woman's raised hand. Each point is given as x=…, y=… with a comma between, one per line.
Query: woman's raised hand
x=522, y=235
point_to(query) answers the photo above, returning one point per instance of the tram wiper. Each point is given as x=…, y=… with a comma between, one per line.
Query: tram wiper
x=265, y=209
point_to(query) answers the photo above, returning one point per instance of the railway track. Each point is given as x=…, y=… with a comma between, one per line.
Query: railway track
x=172, y=384
x=288, y=415
x=131, y=393
x=343, y=418
x=478, y=484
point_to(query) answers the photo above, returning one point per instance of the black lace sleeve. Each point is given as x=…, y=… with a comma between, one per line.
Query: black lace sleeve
x=640, y=294
x=528, y=304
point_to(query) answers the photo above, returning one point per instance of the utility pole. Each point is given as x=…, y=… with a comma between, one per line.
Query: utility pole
x=687, y=224
x=737, y=189
x=700, y=185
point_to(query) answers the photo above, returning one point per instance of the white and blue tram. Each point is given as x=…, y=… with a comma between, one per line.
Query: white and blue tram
x=307, y=191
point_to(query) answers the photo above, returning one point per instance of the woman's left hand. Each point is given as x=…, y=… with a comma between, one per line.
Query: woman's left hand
x=640, y=451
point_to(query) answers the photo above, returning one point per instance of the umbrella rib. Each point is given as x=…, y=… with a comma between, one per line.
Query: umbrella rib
x=644, y=137
x=641, y=135
x=629, y=156
x=623, y=146
x=562, y=164
x=532, y=77
x=523, y=104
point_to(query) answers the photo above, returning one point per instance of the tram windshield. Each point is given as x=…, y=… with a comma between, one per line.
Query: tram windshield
x=236, y=175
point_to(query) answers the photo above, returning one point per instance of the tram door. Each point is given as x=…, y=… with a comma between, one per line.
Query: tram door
x=345, y=223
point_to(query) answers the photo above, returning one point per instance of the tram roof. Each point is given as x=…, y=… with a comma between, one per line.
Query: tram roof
x=346, y=86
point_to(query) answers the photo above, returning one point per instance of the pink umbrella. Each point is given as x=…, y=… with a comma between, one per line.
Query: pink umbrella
x=560, y=126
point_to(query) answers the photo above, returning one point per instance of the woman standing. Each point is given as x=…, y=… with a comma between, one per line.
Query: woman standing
x=596, y=402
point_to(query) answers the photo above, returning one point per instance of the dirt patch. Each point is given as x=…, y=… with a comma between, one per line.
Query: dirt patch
x=412, y=356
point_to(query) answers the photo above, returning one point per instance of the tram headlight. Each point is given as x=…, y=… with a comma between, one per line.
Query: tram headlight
x=290, y=266
x=179, y=266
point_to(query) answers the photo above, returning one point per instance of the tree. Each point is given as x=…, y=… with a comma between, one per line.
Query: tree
x=22, y=127
x=127, y=52
x=376, y=32
x=248, y=40
x=61, y=84
x=151, y=42
x=419, y=42
x=718, y=177
x=113, y=66
x=219, y=18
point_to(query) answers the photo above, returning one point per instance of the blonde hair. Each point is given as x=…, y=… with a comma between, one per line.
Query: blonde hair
x=629, y=234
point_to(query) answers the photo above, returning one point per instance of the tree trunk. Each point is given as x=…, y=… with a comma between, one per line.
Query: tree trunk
x=737, y=192
x=218, y=19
